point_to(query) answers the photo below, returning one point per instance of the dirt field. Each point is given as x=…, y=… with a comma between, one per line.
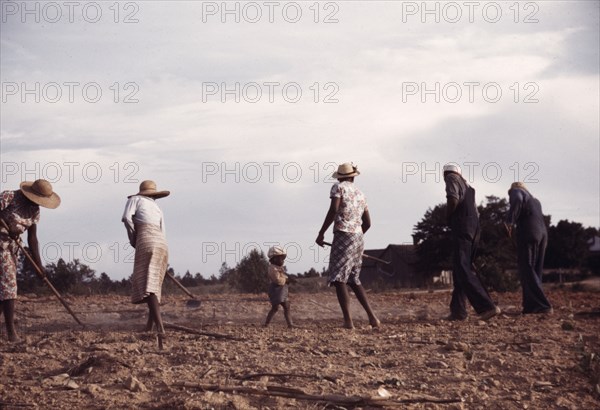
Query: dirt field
x=417, y=359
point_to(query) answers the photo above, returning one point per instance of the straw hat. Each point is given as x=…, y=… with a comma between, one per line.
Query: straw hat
x=275, y=251
x=346, y=170
x=148, y=188
x=40, y=192
x=450, y=167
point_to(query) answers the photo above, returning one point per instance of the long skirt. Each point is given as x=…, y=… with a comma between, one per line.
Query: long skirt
x=345, y=259
x=150, y=265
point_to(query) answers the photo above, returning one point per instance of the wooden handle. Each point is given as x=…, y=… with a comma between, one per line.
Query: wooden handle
x=42, y=275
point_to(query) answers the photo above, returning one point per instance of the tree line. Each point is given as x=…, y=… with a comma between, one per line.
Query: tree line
x=496, y=260
x=568, y=248
x=74, y=277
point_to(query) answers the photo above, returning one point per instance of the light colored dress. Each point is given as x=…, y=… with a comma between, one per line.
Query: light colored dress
x=345, y=260
x=145, y=226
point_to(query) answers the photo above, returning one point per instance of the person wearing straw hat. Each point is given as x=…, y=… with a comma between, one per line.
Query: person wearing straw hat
x=463, y=218
x=145, y=227
x=20, y=211
x=278, y=288
x=532, y=236
x=351, y=219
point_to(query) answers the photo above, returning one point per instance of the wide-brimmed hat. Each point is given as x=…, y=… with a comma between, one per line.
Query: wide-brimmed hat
x=148, y=188
x=41, y=193
x=346, y=170
x=450, y=167
x=276, y=251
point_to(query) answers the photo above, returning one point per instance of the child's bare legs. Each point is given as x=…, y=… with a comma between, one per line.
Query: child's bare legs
x=8, y=308
x=344, y=300
x=286, y=313
x=274, y=309
x=361, y=295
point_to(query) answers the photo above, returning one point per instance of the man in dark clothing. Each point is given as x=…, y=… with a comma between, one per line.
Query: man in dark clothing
x=532, y=237
x=463, y=219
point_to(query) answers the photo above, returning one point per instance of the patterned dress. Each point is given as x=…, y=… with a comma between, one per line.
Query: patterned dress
x=19, y=214
x=345, y=260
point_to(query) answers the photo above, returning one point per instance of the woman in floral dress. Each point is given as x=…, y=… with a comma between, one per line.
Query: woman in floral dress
x=20, y=211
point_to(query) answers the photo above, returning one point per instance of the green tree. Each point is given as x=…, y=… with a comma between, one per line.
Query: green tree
x=434, y=245
x=567, y=245
x=251, y=273
x=199, y=279
x=67, y=276
x=227, y=275
x=495, y=254
x=311, y=273
x=188, y=279
x=105, y=284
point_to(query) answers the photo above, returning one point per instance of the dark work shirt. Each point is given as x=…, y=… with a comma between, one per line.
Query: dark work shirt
x=526, y=212
x=465, y=218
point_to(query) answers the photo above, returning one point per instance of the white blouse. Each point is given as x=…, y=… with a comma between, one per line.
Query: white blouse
x=142, y=210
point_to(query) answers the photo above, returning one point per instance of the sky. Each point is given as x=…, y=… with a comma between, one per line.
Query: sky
x=243, y=110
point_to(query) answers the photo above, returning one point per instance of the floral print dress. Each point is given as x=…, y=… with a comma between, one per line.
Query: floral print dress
x=19, y=214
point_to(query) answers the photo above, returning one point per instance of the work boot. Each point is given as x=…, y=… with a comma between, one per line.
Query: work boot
x=490, y=313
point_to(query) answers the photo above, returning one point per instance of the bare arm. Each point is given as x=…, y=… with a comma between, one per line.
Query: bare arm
x=32, y=242
x=127, y=219
x=333, y=208
x=366, y=221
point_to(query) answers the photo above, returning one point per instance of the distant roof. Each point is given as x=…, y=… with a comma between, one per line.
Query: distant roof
x=406, y=253
x=594, y=244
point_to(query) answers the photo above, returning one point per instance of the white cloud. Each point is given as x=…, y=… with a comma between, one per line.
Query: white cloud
x=173, y=136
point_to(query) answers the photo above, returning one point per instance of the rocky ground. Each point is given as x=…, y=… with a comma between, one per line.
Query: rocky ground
x=416, y=360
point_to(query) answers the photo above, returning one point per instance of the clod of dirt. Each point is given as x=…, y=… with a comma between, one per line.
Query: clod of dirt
x=134, y=385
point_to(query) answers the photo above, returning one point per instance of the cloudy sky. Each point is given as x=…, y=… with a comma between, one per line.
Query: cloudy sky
x=244, y=109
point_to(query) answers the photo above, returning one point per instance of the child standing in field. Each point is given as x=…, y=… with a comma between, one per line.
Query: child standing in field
x=278, y=288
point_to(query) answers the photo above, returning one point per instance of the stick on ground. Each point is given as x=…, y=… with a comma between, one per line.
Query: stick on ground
x=337, y=399
x=306, y=376
x=323, y=306
x=201, y=333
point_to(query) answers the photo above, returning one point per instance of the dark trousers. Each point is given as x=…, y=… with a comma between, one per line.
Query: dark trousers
x=466, y=283
x=530, y=260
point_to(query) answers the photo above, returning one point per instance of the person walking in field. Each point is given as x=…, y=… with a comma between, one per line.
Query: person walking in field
x=532, y=237
x=463, y=219
x=145, y=227
x=278, y=288
x=350, y=217
x=20, y=211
